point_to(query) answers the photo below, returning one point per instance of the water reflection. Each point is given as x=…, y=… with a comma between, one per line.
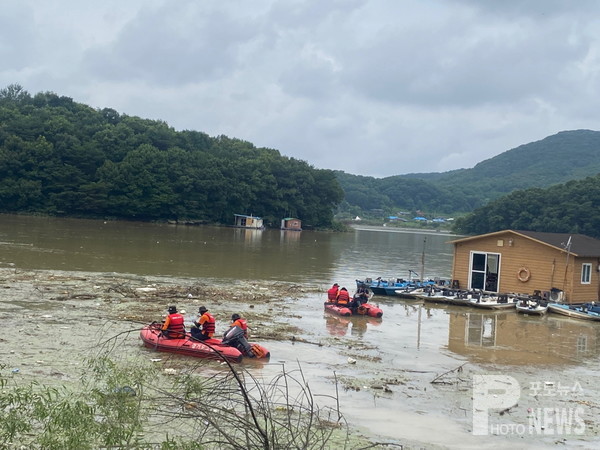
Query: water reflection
x=511, y=338
x=411, y=309
x=337, y=325
x=358, y=326
x=247, y=237
x=287, y=236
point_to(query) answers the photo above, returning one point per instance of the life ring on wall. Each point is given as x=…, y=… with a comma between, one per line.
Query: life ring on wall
x=523, y=274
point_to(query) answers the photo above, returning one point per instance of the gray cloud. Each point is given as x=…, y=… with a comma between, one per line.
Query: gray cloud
x=376, y=87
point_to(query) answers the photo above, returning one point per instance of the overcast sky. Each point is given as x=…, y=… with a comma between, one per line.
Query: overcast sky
x=370, y=87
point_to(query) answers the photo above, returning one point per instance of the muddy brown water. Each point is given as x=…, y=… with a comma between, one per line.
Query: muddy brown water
x=404, y=379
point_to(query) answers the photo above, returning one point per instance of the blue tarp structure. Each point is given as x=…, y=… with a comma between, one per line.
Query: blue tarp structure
x=420, y=218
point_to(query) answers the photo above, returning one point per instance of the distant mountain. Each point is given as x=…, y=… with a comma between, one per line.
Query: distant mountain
x=565, y=156
x=562, y=157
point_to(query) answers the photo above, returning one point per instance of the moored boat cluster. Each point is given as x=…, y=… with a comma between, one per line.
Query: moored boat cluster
x=438, y=291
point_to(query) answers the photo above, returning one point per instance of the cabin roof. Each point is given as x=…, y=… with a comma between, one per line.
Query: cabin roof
x=581, y=245
x=249, y=217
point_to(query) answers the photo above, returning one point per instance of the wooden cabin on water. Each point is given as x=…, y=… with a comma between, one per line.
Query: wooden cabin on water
x=291, y=224
x=251, y=222
x=561, y=266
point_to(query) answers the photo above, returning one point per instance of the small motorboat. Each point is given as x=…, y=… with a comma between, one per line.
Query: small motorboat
x=434, y=294
x=365, y=309
x=532, y=306
x=487, y=301
x=587, y=311
x=152, y=337
x=464, y=298
x=394, y=287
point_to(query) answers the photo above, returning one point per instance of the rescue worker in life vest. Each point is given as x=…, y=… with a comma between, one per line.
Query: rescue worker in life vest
x=237, y=335
x=343, y=297
x=332, y=293
x=238, y=321
x=173, y=326
x=204, y=328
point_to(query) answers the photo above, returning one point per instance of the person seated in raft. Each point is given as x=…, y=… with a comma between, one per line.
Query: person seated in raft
x=362, y=295
x=204, y=327
x=332, y=293
x=343, y=297
x=238, y=321
x=173, y=326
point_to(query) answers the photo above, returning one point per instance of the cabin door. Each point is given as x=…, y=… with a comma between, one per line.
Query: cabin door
x=485, y=269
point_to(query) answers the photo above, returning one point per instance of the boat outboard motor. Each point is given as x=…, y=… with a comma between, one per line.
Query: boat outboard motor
x=235, y=338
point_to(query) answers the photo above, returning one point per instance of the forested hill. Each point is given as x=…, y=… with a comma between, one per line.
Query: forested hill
x=62, y=157
x=573, y=207
x=565, y=156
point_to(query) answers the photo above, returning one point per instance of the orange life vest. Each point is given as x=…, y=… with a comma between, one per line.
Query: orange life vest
x=208, y=324
x=242, y=324
x=332, y=293
x=174, y=325
x=343, y=297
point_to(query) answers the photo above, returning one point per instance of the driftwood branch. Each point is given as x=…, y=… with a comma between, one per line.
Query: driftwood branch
x=507, y=410
x=278, y=338
x=437, y=380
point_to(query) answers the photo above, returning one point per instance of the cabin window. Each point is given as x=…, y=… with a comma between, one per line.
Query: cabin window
x=582, y=344
x=586, y=273
x=481, y=330
x=485, y=269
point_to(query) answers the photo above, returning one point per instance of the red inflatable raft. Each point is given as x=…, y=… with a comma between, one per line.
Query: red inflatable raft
x=211, y=348
x=366, y=309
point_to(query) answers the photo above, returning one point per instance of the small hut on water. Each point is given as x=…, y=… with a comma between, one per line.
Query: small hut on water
x=251, y=222
x=291, y=224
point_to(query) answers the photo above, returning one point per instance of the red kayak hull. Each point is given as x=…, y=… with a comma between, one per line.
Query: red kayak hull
x=209, y=349
x=365, y=309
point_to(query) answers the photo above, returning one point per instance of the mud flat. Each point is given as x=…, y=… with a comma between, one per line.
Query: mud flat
x=392, y=390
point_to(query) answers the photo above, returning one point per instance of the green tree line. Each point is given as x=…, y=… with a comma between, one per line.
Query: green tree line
x=61, y=157
x=573, y=207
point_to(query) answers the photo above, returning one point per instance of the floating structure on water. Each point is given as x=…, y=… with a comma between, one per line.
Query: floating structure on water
x=291, y=224
x=250, y=222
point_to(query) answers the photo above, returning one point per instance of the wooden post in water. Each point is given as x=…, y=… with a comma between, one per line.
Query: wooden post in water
x=419, y=329
x=568, y=249
x=423, y=261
